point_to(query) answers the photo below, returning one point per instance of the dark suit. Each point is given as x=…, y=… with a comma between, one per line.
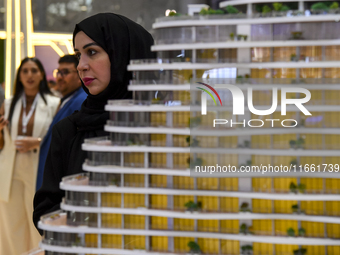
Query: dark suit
x=72, y=105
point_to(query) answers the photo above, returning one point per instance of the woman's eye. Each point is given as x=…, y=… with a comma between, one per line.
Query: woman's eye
x=91, y=52
x=78, y=56
x=34, y=71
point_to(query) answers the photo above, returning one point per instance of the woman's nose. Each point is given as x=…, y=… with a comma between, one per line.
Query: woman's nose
x=83, y=64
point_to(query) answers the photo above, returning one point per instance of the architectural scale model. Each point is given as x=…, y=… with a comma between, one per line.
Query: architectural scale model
x=137, y=195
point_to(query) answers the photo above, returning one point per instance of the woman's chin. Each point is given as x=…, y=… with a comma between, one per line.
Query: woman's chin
x=31, y=87
x=95, y=91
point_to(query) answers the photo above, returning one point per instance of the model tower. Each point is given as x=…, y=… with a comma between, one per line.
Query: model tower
x=138, y=195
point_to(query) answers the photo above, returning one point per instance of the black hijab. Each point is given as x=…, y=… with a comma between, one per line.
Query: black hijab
x=123, y=40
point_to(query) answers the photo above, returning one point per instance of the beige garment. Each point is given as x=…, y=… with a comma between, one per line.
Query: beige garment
x=7, y=157
x=42, y=119
x=17, y=231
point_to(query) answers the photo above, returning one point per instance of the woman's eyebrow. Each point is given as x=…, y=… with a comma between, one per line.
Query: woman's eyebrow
x=87, y=45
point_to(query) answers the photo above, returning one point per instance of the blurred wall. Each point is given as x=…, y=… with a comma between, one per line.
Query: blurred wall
x=62, y=15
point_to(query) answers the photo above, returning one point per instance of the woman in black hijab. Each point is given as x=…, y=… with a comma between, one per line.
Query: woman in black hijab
x=105, y=43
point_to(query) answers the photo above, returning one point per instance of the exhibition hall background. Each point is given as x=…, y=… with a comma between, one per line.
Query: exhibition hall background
x=45, y=26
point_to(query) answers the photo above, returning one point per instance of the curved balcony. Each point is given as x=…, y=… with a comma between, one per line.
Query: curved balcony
x=82, y=191
x=148, y=107
x=117, y=169
x=168, y=82
x=243, y=85
x=181, y=214
x=151, y=66
x=105, y=145
x=217, y=132
x=241, y=2
x=238, y=19
x=64, y=232
x=229, y=44
x=58, y=234
x=165, y=87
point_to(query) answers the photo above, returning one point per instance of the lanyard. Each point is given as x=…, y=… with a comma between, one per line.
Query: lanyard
x=26, y=118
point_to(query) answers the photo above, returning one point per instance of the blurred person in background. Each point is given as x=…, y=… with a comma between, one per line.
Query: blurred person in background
x=2, y=95
x=69, y=85
x=54, y=88
x=28, y=114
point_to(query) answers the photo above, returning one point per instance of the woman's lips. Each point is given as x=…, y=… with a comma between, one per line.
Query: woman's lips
x=87, y=81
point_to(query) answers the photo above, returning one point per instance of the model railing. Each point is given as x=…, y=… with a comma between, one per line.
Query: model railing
x=176, y=79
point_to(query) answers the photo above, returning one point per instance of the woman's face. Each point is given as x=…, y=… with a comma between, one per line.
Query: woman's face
x=30, y=76
x=94, y=64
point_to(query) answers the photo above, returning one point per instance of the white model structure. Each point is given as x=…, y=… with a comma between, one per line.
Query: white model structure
x=138, y=197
